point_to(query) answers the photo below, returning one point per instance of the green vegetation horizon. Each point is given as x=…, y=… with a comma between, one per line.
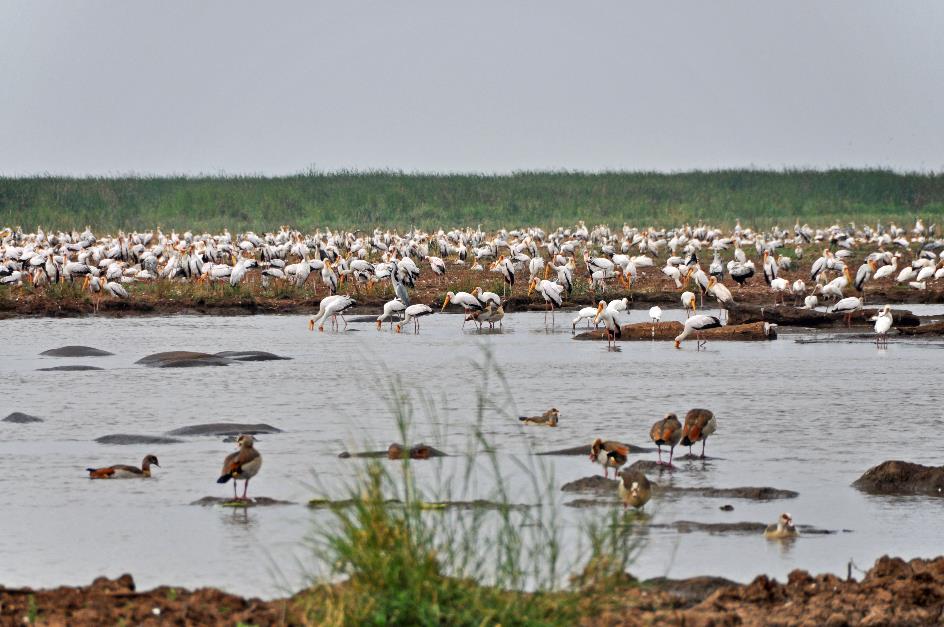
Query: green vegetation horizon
x=368, y=199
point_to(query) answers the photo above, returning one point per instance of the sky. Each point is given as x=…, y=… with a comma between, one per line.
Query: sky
x=191, y=87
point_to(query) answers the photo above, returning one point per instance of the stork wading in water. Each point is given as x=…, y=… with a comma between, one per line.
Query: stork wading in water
x=588, y=314
x=552, y=293
x=390, y=310
x=883, y=323
x=331, y=307
x=468, y=302
x=697, y=324
x=413, y=313
x=611, y=326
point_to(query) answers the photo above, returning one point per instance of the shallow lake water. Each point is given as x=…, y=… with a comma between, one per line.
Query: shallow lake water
x=805, y=417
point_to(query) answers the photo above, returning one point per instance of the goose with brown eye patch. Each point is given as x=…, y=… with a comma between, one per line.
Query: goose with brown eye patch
x=783, y=529
x=243, y=464
x=608, y=454
x=122, y=471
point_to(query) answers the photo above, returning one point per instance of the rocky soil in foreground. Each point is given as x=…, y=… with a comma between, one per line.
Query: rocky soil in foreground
x=892, y=592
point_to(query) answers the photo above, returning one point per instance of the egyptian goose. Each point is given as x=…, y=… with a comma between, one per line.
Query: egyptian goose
x=491, y=314
x=634, y=488
x=608, y=454
x=782, y=530
x=121, y=471
x=667, y=431
x=547, y=419
x=417, y=451
x=243, y=464
x=699, y=424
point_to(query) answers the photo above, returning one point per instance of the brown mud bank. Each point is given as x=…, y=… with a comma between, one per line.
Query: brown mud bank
x=892, y=592
x=641, y=331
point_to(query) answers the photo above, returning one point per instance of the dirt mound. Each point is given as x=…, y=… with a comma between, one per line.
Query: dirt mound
x=75, y=368
x=132, y=438
x=115, y=602
x=226, y=428
x=250, y=356
x=898, y=477
x=19, y=417
x=601, y=486
x=584, y=449
x=75, y=351
x=182, y=359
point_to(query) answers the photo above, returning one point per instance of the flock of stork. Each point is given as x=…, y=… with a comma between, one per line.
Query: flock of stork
x=555, y=261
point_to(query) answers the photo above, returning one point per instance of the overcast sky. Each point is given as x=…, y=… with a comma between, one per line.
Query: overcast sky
x=279, y=87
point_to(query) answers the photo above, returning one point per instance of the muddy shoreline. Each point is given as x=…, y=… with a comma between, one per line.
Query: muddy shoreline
x=161, y=298
x=892, y=591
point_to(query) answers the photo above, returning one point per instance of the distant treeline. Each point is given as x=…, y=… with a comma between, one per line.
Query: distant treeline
x=392, y=199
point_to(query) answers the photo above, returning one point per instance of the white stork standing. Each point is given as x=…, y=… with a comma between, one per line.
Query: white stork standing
x=414, y=313
x=550, y=291
x=883, y=322
x=610, y=324
x=697, y=324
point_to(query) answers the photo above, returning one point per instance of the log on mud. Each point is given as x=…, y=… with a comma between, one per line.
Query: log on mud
x=670, y=330
x=935, y=328
x=787, y=316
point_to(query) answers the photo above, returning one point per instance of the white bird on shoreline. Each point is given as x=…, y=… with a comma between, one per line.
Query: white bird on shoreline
x=414, y=313
x=883, y=323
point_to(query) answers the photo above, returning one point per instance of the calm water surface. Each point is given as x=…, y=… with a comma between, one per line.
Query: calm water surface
x=806, y=417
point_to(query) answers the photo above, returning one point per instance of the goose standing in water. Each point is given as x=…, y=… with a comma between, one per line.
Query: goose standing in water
x=414, y=313
x=121, y=471
x=783, y=529
x=634, y=488
x=883, y=323
x=697, y=324
x=608, y=454
x=491, y=314
x=699, y=424
x=668, y=432
x=243, y=464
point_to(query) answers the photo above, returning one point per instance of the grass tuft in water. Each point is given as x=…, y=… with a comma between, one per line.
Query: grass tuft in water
x=393, y=557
